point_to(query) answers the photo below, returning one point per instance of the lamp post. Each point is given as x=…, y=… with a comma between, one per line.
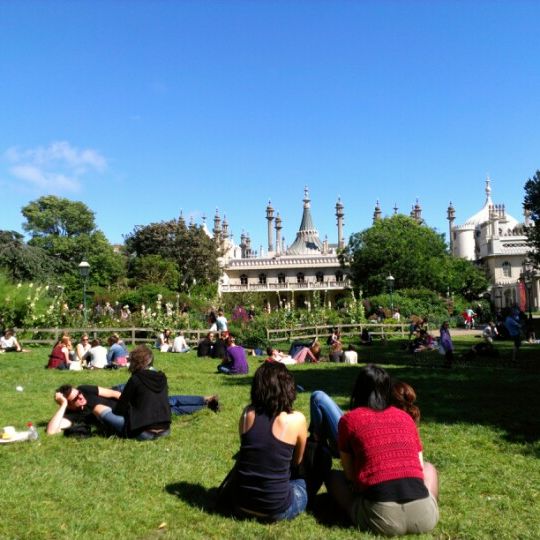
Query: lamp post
x=84, y=270
x=528, y=273
x=390, y=284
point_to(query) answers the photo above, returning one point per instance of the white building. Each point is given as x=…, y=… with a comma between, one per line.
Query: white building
x=288, y=276
x=497, y=240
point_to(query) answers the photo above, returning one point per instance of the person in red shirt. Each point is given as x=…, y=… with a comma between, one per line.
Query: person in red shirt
x=385, y=486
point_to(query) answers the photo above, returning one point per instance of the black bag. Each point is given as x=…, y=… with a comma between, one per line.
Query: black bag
x=226, y=493
x=315, y=465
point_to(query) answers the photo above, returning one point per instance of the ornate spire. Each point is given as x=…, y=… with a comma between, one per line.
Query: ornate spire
x=307, y=238
x=339, y=215
x=377, y=213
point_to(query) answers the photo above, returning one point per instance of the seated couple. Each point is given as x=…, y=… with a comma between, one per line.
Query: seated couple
x=385, y=487
x=165, y=342
x=141, y=409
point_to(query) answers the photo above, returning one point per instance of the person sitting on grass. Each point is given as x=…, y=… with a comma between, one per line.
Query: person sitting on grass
x=385, y=486
x=82, y=350
x=206, y=345
x=219, y=349
x=136, y=409
x=236, y=361
x=97, y=355
x=117, y=356
x=179, y=343
x=9, y=343
x=163, y=341
x=61, y=355
x=272, y=441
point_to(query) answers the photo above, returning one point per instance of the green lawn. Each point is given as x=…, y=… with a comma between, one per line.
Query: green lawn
x=480, y=427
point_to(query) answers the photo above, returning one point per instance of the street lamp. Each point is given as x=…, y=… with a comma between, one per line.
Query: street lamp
x=528, y=273
x=390, y=284
x=84, y=271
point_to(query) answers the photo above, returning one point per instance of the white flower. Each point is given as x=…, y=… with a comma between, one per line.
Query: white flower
x=19, y=285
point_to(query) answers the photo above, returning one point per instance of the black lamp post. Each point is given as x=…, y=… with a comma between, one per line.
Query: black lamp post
x=84, y=271
x=390, y=284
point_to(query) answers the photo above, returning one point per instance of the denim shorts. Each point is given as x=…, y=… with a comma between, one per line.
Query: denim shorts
x=298, y=504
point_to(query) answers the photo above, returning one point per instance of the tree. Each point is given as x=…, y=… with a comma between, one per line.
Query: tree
x=67, y=232
x=532, y=205
x=155, y=270
x=194, y=253
x=415, y=255
x=22, y=262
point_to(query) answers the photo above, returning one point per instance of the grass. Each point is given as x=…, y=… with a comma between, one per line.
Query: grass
x=480, y=427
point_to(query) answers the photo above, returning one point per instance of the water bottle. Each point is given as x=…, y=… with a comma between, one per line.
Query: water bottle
x=32, y=432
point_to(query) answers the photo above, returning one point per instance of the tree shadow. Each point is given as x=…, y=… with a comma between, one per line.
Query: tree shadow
x=502, y=398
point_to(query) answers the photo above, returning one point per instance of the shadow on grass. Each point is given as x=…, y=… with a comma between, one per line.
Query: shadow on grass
x=504, y=398
x=323, y=507
x=195, y=495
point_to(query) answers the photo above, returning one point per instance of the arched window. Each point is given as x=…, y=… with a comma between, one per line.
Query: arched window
x=262, y=279
x=243, y=279
x=507, y=269
x=300, y=277
x=339, y=276
x=281, y=277
x=319, y=277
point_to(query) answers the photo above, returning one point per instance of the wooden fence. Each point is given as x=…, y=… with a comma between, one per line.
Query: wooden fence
x=130, y=335
x=382, y=331
x=137, y=335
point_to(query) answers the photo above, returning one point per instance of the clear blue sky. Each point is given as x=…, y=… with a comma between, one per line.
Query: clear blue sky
x=143, y=108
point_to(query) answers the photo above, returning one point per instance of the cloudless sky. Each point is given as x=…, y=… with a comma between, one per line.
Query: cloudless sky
x=141, y=109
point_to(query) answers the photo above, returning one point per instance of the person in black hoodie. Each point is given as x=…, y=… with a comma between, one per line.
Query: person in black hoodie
x=144, y=402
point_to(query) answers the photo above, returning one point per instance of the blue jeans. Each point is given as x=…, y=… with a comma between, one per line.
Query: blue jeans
x=298, y=504
x=325, y=415
x=223, y=369
x=186, y=404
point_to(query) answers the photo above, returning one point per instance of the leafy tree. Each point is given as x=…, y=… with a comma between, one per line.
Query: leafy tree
x=22, y=262
x=67, y=232
x=194, y=253
x=414, y=254
x=532, y=205
x=156, y=270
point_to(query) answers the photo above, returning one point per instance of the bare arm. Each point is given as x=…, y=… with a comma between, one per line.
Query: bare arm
x=301, y=440
x=348, y=465
x=108, y=393
x=58, y=423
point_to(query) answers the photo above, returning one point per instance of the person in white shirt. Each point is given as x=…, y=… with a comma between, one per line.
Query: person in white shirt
x=9, y=343
x=350, y=356
x=97, y=355
x=179, y=344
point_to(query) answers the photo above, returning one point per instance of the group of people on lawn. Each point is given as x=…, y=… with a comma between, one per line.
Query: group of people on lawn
x=86, y=354
x=385, y=485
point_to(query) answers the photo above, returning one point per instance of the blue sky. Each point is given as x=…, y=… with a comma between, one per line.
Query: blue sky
x=141, y=109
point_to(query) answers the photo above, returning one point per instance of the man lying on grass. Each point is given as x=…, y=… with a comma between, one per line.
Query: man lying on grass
x=141, y=409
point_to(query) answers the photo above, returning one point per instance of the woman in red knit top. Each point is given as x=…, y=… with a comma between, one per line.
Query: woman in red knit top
x=385, y=486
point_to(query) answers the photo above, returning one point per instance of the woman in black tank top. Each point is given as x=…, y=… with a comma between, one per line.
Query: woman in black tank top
x=273, y=438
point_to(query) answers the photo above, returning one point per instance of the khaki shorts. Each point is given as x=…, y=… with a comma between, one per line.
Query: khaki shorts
x=391, y=518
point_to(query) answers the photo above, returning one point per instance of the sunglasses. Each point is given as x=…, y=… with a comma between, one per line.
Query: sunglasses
x=77, y=397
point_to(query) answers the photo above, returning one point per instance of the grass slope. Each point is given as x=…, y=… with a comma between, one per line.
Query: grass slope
x=480, y=427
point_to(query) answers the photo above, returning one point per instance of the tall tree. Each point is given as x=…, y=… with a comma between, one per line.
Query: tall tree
x=194, y=253
x=67, y=232
x=415, y=255
x=22, y=262
x=532, y=205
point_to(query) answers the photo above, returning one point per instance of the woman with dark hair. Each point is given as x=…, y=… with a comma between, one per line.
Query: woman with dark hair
x=403, y=397
x=446, y=345
x=273, y=438
x=385, y=486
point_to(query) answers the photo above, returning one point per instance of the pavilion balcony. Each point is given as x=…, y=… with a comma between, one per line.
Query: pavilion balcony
x=287, y=286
